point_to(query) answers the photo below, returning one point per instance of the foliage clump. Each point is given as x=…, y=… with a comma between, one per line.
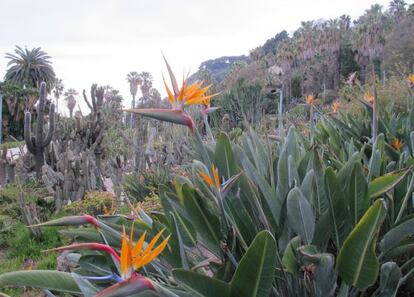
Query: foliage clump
x=94, y=203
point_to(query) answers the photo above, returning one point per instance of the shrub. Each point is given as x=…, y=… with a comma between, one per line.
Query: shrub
x=150, y=203
x=93, y=203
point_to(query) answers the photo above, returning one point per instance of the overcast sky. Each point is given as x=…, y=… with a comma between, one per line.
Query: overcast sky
x=102, y=40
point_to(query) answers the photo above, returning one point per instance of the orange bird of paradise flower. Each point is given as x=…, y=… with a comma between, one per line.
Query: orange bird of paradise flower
x=310, y=99
x=335, y=106
x=397, y=144
x=369, y=98
x=135, y=256
x=411, y=80
x=188, y=94
x=215, y=181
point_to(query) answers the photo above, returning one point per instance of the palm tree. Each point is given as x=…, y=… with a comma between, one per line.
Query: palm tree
x=146, y=85
x=397, y=9
x=369, y=37
x=134, y=79
x=58, y=88
x=30, y=67
x=285, y=57
x=71, y=100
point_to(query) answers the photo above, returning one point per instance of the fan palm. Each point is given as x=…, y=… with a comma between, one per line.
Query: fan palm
x=134, y=79
x=71, y=100
x=57, y=91
x=30, y=67
x=146, y=85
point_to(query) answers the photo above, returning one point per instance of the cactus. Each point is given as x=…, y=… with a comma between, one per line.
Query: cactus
x=96, y=125
x=36, y=144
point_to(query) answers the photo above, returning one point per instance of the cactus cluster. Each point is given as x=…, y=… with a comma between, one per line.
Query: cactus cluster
x=37, y=143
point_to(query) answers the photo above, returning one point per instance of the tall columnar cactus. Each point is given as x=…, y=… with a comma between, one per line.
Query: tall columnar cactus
x=36, y=144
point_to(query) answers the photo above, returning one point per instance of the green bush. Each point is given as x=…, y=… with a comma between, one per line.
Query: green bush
x=93, y=203
x=150, y=203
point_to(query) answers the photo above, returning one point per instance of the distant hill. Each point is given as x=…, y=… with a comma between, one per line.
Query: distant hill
x=271, y=45
x=219, y=67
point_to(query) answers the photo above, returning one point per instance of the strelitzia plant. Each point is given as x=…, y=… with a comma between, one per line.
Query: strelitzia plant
x=124, y=280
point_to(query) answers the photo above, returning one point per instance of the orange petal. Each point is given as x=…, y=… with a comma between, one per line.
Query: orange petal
x=206, y=178
x=216, y=176
x=170, y=94
x=125, y=255
x=154, y=253
x=153, y=242
x=137, y=249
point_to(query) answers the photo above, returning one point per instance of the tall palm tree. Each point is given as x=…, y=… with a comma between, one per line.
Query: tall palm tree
x=58, y=88
x=146, y=85
x=71, y=100
x=369, y=37
x=134, y=79
x=286, y=56
x=30, y=67
x=397, y=9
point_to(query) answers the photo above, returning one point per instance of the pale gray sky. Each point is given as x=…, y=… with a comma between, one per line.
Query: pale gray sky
x=102, y=40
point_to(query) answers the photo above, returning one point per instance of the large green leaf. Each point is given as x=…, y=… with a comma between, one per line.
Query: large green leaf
x=389, y=279
x=201, y=284
x=385, y=183
x=357, y=262
x=289, y=259
x=300, y=215
x=394, y=237
x=338, y=208
x=43, y=279
x=272, y=202
x=203, y=218
x=254, y=275
x=224, y=157
x=357, y=197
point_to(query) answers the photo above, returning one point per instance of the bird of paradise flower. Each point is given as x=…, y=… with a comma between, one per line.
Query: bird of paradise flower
x=179, y=98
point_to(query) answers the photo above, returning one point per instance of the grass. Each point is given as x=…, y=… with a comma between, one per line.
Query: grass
x=23, y=246
x=11, y=144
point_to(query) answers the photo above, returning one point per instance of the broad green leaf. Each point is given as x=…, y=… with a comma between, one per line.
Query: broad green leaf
x=201, y=284
x=241, y=220
x=273, y=204
x=345, y=172
x=300, y=215
x=374, y=166
x=394, y=236
x=203, y=218
x=307, y=184
x=293, y=172
x=357, y=262
x=385, y=183
x=289, y=259
x=178, y=241
x=358, y=189
x=254, y=275
x=42, y=279
x=224, y=158
x=389, y=280
x=338, y=210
